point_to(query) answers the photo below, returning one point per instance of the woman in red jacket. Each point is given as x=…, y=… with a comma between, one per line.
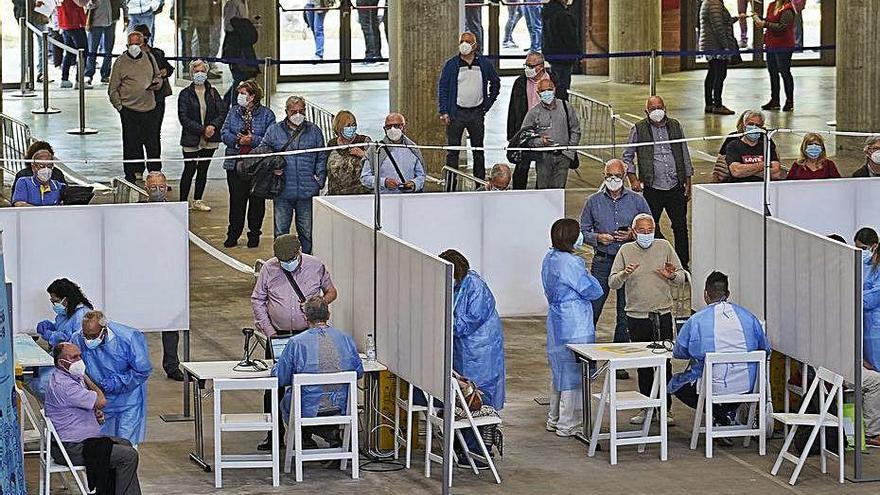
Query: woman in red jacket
x=72, y=23
x=814, y=163
x=779, y=40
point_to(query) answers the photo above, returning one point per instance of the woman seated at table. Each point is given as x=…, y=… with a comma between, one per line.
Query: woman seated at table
x=57, y=174
x=814, y=163
x=39, y=189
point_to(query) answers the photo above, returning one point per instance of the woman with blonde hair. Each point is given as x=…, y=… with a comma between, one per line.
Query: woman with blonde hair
x=814, y=162
x=344, y=165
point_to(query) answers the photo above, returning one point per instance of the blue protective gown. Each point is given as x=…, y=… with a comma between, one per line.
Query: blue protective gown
x=719, y=327
x=569, y=289
x=303, y=355
x=120, y=366
x=64, y=326
x=478, y=343
x=871, y=299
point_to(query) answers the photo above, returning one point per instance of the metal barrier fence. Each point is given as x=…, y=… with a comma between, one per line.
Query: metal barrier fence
x=126, y=192
x=15, y=137
x=322, y=118
x=456, y=181
x=599, y=125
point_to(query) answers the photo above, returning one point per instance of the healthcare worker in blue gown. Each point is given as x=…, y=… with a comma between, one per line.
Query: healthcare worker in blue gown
x=118, y=361
x=320, y=349
x=570, y=290
x=866, y=239
x=478, y=339
x=70, y=305
x=719, y=327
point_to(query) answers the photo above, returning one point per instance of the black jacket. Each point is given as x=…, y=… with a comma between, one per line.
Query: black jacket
x=519, y=104
x=716, y=26
x=560, y=33
x=862, y=172
x=189, y=114
x=239, y=44
x=159, y=55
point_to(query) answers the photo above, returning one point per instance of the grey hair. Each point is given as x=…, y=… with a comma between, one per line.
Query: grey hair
x=197, y=62
x=316, y=310
x=752, y=113
x=872, y=140
x=294, y=99
x=643, y=216
x=155, y=175
x=499, y=170
x=536, y=54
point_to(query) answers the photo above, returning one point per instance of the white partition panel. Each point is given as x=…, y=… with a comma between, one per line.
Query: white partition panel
x=867, y=199
x=132, y=261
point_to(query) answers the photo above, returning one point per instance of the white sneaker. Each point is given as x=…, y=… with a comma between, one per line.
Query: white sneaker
x=86, y=85
x=200, y=205
x=550, y=426
x=65, y=84
x=567, y=433
x=638, y=419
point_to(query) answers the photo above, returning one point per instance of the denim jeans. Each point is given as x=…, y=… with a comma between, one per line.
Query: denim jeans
x=532, y=13
x=601, y=269
x=74, y=38
x=101, y=39
x=315, y=20
x=147, y=18
x=285, y=209
x=473, y=22
x=514, y=14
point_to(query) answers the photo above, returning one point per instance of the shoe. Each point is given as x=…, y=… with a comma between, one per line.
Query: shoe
x=622, y=375
x=510, y=44
x=88, y=81
x=788, y=107
x=199, y=205
x=708, y=109
x=316, y=59
x=770, y=105
x=638, y=419
x=175, y=375
x=464, y=464
x=105, y=80
x=744, y=43
x=86, y=85
x=872, y=441
x=253, y=241
x=267, y=443
x=65, y=85
x=40, y=78
x=549, y=427
x=670, y=421
x=722, y=110
x=230, y=242
x=566, y=434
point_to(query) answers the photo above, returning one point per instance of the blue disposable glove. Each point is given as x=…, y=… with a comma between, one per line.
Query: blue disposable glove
x=45, y=328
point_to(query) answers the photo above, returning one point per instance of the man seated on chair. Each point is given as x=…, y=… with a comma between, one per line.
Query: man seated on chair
x=320, y=349
x=719, y=327
x=74, y=405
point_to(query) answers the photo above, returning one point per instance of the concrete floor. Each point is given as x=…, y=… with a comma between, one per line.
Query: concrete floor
x=533, y=458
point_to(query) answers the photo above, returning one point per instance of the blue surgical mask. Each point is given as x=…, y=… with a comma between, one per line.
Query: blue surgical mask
x=200, y=77
x=753, y=132
x=59, y=308
x=94, y=343
x=645, y=240
x=867, y=255
x=349, y=131
x=290, y=266
x=547, y=96
x=813, y=151
x=579, y=243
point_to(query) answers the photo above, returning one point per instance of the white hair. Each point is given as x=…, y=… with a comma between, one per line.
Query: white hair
x=197, y=62
x=754, y=113
x=293, y=100
x=643, y=216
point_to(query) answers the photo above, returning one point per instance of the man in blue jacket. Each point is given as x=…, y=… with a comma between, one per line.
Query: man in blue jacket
x=467, y=90
x=304, y=173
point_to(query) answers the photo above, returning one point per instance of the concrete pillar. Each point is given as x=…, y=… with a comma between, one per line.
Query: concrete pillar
x=858, y=69
x=634, y=25
x=267, y=44
x=424, y=35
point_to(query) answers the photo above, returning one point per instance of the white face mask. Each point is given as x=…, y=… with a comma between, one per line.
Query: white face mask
x=614, y=183
x=465, y=48
x=44, y=174
x=657, y=115
x=875, y=157
x=77, y=368
x=134, y=50
x=394, y=133
x=530, y=72
x=243, y=100
x=297, y=119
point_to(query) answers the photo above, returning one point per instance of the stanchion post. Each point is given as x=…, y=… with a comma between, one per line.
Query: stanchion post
x=652, y=72
x=267, y=80
x=24, y=91
x=82, y=130
x=44, y=55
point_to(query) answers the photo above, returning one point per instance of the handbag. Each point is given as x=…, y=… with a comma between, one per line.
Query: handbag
x=76, y=195
x=575, y=163
x=473, y=397
x=246, y=168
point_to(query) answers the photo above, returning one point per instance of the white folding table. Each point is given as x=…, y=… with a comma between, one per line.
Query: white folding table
x=28, y=354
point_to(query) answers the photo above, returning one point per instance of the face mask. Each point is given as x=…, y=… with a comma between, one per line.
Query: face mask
x=94, y=343
x=394, y=133
x=613, y=183
x=291, y=265
x=465, y=48
x=243, y=100
x=297, y=119
x=59, y=308
x=134, y=50
x=867, y=255
x=657, y=115
x=157, y=195
x=753, y=132
x=349, y=131
x=200, y=77
x=813, y=151
x=547, y=96
x=645, y=240
x=77, y=368
x=530, y=72
x=579, y=243
x=44, y=174
x=875, y=157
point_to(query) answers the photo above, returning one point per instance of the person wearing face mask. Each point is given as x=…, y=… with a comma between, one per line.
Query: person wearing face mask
x=662, y=172
x=284, y=284
x=499, y=178
x=201, y=112
x=649, y=268
x=39, y=189
x=76, y=406
x=523, y=97
x=70, y=306
x=468, y=87
x=304, y=174
x=38, y=150
x=867, y=240
x=721, y=327
x=605, y=223
x=118, y=361
x=165, y=72
x=344, y=165
x=558, y=125
x=560, y=41
x=246, y=123
x=814, y=163
x=745, y=156
x=570, y=291
x=156, y=185
x=134, y=79
x=400, y=168
x=872, y=158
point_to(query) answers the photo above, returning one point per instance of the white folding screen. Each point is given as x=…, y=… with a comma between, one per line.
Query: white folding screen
x=132, y=261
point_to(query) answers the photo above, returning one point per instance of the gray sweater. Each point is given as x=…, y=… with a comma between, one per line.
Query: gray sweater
x=133, y=82
x=551, y=123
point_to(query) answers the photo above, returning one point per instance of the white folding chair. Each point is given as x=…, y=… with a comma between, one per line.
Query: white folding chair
x=412, y=420
x=818, y=423
x=756, y=398
x=48, y=466
x=29, y=424
x=348, y=420
x=245, y=422
x=616, y=401
x=469, y=421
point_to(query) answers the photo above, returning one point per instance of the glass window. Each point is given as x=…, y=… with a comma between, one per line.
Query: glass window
x=369, y=36
x=520, y=25
x=309, y=33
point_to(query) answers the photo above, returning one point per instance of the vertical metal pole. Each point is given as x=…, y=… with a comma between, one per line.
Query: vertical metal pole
x=858, y=357
x=652, y=73
x=448, y=397
x=613, y=132
x=267, y=79
x=186, y=377
x=24, y=91
x=767, y=138
x=346, y=63
x=44, y=56
x=80, y=81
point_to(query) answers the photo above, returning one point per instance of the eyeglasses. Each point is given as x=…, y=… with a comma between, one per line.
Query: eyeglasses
x=396, y=126
x=533, y=66
x=39, y=165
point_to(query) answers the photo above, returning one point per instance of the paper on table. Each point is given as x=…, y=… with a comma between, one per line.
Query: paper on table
x=46, y=7
x=623, y=350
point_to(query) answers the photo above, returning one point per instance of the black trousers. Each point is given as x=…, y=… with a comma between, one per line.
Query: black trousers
x=521, y=170
x=779, y=64
x=714, y=84
x=241, y=202
x=642, y=330
x=170, y=359
x=676, y=206
x=472, y=120
x=688, y=396
x=199, y=169
x=140, y=135
x=369, y=21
